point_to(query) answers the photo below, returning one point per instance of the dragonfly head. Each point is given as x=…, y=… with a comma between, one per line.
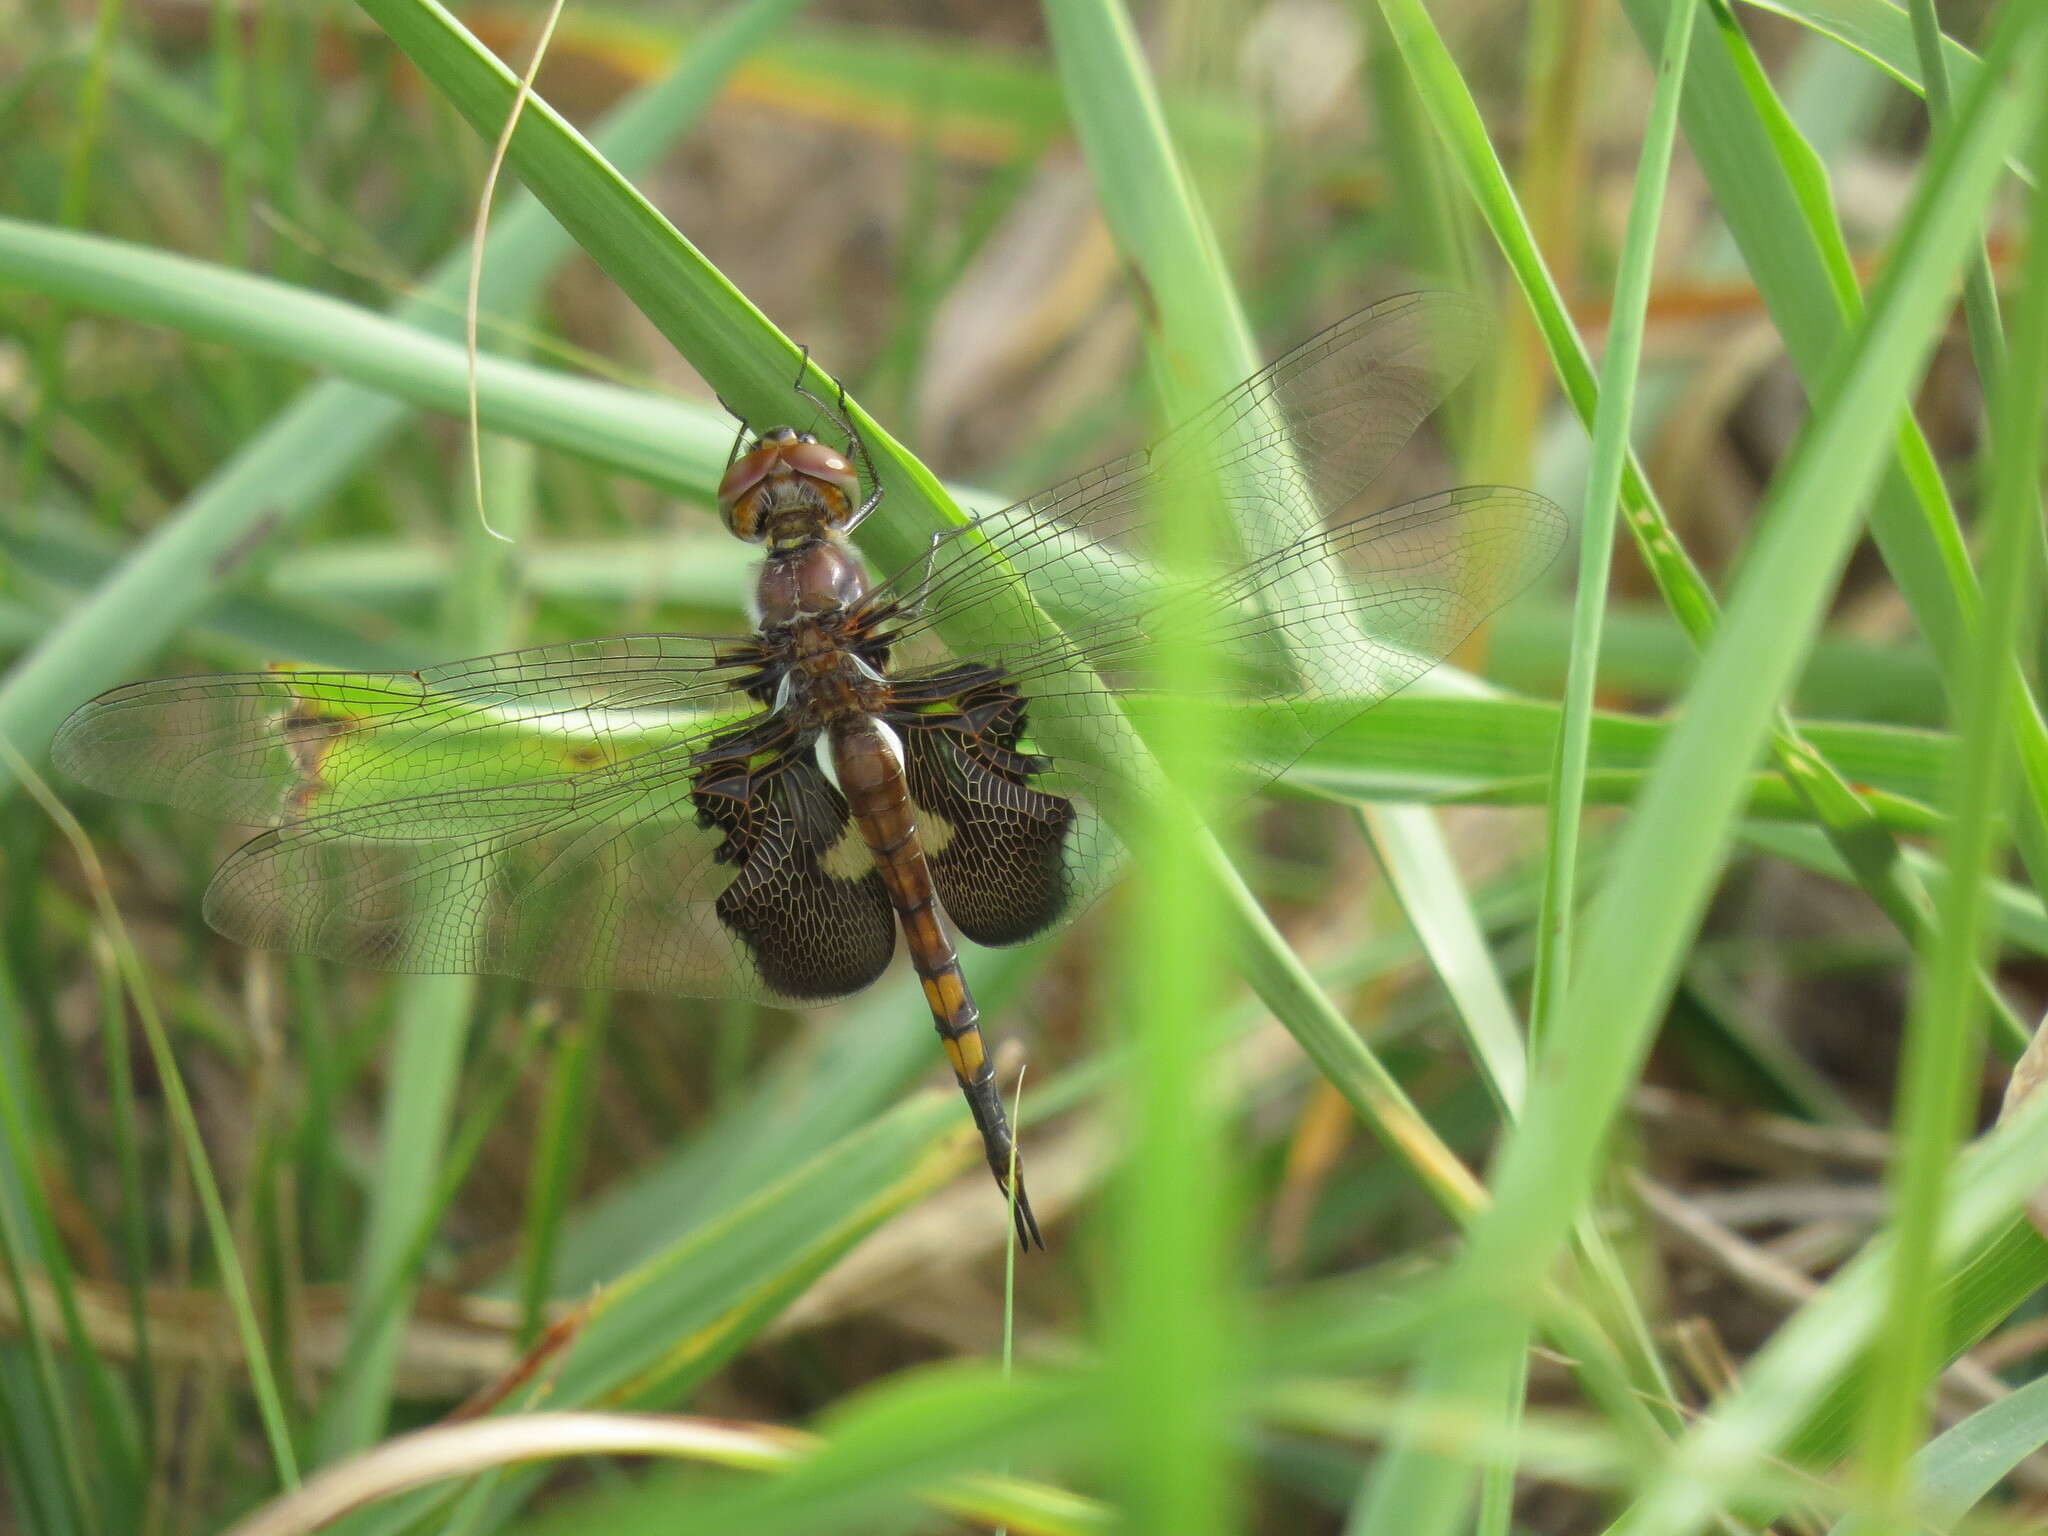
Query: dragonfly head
x=787, y=488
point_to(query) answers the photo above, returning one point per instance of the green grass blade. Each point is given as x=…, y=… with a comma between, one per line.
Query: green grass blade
x=668, y=443
x=1416, y=1489
x=1879, y=30
x=1941, y=1055
x=1425, y=880
x=1671, y=851
x=1174, y=1306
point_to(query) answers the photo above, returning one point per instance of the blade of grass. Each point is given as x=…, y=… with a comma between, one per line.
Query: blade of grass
x=1980, y=296
x=1424, y=877
x=557, y=1157
x=1879, y=30
x=469, y=1449
x=1939, y=1066
x=263, y=1381
x=1413, y=1489
x=668, y=443
x=1773, y=192
x=1175, y=1309
x=1671, y=850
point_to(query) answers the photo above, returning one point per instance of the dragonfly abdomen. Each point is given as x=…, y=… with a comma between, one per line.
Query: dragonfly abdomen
x=869, y=768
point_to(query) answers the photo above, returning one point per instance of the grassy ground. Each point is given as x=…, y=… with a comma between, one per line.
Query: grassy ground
x=1574, y=1108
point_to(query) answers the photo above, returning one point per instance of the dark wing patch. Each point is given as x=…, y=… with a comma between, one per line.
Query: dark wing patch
x=997, y=846
x=807, y=902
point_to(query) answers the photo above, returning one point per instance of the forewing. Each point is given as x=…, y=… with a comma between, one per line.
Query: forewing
x=1286, y=450
x=722, y=868
x=260, y=747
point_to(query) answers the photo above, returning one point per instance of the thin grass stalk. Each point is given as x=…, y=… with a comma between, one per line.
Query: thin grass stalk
x=1414, y=1489
x=134, y=1212
x=185, y=1123
x=1672, y=849
x=1941, y=1054
x=1175, y=1316
x=1852, y=825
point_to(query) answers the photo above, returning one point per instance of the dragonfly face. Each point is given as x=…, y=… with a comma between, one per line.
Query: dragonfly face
x=787, y=488
x=760, y=816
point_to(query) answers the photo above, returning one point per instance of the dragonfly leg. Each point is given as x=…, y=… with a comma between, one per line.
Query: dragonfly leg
x=913, y=606
x=856, y=446
x=739, y=438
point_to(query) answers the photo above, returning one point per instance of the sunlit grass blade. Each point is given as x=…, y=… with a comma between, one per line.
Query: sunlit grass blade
x=1670, y=853
x=1850, y=823
x=470, y=1450
x=1416, y=1490
x=1773, y=193
x=1943, y=1044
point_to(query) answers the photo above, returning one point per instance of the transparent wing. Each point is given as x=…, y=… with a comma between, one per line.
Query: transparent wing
x=259, y=747
x=607, y=813
x=1287, y=450
x=696, y=873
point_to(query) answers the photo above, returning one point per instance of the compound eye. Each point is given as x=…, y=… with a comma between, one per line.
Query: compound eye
x=829, y=467
x=737, y=503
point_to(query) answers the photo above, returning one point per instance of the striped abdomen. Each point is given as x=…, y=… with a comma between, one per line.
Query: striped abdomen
x=869, y=768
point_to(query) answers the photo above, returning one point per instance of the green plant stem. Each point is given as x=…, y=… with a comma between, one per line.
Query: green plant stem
x=1938, y=1070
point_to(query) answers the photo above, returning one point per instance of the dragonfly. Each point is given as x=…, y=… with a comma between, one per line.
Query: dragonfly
x=759, y=816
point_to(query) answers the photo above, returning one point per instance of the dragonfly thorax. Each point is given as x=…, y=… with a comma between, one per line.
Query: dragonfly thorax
x=809, y=580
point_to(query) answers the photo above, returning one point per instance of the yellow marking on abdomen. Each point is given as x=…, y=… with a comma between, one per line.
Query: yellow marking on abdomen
x=946, y=995
x=966, y=1055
